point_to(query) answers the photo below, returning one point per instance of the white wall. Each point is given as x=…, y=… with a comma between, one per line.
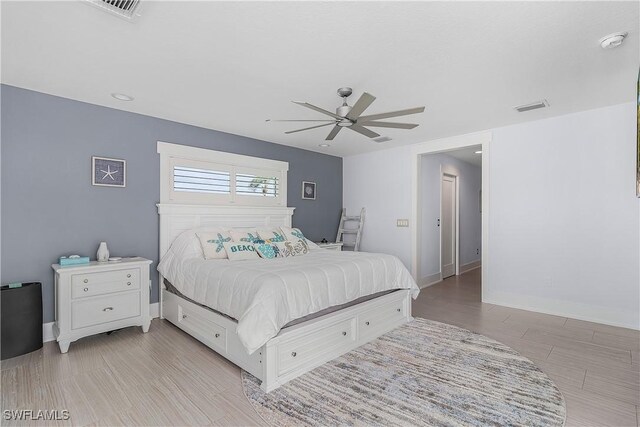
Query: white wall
x=564, y=221
x=470, y=180
x=381, y=182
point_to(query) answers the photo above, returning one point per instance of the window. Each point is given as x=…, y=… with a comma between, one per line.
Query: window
x=256, y=185
x=196, y=175
x=201, y=180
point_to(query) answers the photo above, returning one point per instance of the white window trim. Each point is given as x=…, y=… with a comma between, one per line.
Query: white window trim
x=176, y=154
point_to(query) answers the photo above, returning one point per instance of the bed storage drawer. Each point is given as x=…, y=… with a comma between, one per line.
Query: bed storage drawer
x=304, y=350
x=382, y=318
x=191, y=320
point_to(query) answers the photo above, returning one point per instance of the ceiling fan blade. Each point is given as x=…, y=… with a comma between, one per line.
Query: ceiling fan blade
x=361, y=104
x=333, y=133
x=312, y=127
x=388, y=125
x=392, y=114
x=366, y=132
x=328, y=120
x=318, y=109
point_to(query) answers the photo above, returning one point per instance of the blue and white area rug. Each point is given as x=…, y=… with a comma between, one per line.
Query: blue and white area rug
x=424, y=373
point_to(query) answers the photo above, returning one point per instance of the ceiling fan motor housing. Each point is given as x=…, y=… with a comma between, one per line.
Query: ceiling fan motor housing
x=343, y=110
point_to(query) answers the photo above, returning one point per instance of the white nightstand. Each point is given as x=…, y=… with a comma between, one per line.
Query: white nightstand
x=100, y=297
x=331, y=246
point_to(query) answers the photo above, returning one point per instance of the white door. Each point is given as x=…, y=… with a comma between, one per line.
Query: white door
x=448, y=226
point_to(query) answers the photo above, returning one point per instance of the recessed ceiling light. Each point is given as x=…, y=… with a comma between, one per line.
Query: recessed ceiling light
x=122, y=97
x=479, y=152
x=612, y=40
x=324, y=145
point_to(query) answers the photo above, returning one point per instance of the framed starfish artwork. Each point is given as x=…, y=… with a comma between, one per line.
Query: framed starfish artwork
x=108, y=172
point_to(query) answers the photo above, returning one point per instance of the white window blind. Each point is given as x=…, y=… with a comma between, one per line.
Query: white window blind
x=201, y=180
x=196, y=175
x=260, y=185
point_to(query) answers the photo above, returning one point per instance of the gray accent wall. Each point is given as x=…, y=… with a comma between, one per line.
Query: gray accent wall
x=49, y=207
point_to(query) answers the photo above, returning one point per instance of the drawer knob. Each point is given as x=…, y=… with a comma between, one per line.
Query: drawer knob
x=129, y=284
x=366, y=323
x=86, y=280
x=128, y=275
x=217, y=335
x=344, y=334
x=107, y=309
x=85, y=289
x=294, y=354
x=398, y=310
x=184, y=316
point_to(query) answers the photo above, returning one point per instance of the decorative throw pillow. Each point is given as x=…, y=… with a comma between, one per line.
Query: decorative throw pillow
x=212, y=243
x=292, y=248
x=248, y=235
x=267, y=250
x=293, y=234
x=240, y=251
x=271, y=235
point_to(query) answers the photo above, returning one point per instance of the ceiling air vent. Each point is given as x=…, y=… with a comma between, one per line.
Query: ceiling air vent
x=533, y=106
x=128, y=9
x=382, y=139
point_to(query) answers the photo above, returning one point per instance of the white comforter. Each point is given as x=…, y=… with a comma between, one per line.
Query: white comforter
x=264, y=295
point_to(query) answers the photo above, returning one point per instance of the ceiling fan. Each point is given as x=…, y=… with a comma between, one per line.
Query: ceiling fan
x=351, y=117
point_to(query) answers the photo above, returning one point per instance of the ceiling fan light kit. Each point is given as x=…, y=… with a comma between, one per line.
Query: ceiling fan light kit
x=347, y=116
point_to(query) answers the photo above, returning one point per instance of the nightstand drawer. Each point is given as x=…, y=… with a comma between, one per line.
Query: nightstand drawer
x=91, y=284
x=103, y=310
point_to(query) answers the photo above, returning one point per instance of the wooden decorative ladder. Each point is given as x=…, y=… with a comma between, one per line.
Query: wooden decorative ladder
x=357, y=231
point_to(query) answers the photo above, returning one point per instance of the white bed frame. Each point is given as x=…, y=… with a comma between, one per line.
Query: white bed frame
x=296, y=349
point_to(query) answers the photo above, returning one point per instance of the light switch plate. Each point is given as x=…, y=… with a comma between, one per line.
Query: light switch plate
x=402, y=223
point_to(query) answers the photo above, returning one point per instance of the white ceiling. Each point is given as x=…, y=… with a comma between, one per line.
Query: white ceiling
x=231, y=65
x=468, y=155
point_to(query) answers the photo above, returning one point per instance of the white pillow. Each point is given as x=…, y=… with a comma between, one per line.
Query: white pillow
x=293, y=234
x=247, y=235
x=212, y=243
x=185, y=246
x=271, y=235
x=240, y=251
x=289, y=248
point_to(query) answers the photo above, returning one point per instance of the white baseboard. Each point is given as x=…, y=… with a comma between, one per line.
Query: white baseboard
x=47, y=332
x=588, y=313
x=47, y=328
x=470, y=266
x=154, y=310
x=432, y=279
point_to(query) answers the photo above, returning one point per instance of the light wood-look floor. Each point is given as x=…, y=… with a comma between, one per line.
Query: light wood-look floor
x=596, y=367
x=165, y=377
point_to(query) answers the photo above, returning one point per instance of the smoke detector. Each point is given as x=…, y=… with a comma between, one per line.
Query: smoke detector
x=127, y=9
x=612, y=40
x=533, y=106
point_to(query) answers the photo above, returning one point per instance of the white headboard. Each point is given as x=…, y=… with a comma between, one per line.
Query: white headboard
x=174, y=218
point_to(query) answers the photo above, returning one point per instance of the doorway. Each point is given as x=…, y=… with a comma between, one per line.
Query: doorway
x=450, y=222
x=448, y=229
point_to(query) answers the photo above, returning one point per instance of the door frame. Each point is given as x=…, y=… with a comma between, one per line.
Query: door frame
x=442, y=146
x=456, y=221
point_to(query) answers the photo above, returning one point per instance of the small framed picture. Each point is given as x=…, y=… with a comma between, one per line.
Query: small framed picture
x=108, y=172
x=308, y=190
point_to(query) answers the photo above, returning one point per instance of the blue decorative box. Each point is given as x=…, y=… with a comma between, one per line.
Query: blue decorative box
x=74, y=261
